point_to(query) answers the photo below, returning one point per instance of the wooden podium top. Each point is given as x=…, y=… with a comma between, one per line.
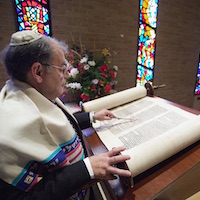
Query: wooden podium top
x=152, y=181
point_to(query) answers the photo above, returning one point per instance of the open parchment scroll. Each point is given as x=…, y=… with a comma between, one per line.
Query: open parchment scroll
x=156, y=130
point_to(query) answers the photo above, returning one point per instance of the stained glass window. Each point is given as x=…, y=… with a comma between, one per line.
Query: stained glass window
x=146, y=41
x=197, y=86
x=33, y=15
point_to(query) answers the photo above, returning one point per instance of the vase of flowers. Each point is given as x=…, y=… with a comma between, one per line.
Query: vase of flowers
x=92, y=77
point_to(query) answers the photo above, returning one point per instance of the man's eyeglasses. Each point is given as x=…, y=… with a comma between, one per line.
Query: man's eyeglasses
x=63, y=70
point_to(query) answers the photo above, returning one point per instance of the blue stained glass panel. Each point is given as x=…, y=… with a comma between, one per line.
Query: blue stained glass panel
x=197, y=86
x=146, y=46
x=146, y=41
x=33, y=14
x=144, y=75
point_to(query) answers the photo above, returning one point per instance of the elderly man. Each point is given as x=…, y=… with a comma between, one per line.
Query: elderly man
x=41, y=156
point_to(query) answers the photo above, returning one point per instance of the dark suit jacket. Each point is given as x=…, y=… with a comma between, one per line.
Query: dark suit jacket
x=59, y=184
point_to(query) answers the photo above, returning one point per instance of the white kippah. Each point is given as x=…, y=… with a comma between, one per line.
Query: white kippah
x=24, y=37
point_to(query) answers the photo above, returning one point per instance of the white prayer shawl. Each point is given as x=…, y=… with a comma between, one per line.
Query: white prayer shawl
x=35, y=135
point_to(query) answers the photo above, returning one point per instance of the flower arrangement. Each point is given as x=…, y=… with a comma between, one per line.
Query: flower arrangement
x=92, y=78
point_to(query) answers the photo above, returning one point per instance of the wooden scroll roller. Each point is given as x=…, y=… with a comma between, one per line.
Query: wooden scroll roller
x=150, y=88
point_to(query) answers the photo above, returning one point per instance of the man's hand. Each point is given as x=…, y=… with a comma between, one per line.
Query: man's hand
x=103, y=165
x=103, y=115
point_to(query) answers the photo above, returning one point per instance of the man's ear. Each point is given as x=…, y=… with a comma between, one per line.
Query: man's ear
x=37, y=71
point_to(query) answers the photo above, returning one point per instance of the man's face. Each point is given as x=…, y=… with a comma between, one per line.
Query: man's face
x=54, y=81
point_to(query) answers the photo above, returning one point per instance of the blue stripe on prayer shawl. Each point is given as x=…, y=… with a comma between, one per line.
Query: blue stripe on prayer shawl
x=21, y=174
x=51, y=156
x=70, y=141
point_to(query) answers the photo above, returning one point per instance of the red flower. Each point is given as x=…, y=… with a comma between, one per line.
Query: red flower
x=103, y=68
x=80, y=68
x=80, y=78
x=93, y=87
x=108, y=88
x=99, y=82
x=112, y=74
x=104, y=75
x=85, y=97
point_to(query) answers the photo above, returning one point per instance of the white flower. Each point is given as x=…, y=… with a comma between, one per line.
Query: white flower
x=74, y=72
x=115, y=67
x=92, y=63
x=86, y=67
x=74, y=85
x=84, y=60
x=95, y=81
x=114, y=82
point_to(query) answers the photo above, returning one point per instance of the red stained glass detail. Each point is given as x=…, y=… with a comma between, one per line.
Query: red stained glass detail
x=24, y=4
x=44, y=2
x=41, y=31
x=34, y=4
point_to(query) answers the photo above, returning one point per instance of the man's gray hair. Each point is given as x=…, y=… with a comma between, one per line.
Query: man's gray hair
x=18, y=59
